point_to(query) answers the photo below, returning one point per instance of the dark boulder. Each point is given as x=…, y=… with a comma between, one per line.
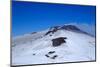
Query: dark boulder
x=55, y=56
x=34, y=54
x=47, y=55
x=51, y=52
x=58, y=41
x=50, y=35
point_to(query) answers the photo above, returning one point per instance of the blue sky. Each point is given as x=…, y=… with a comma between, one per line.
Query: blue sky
x=32, y=16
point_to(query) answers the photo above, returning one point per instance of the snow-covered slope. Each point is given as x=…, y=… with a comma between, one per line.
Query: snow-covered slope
x=35, y=48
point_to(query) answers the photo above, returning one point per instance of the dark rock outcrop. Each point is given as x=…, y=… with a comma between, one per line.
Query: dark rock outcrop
x=73, y=28
x=58, y=41
x=70, y=27
x=33, y=32
x=52, y=30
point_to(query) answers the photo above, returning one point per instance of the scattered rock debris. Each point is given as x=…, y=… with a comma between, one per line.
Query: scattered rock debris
x=51, y=56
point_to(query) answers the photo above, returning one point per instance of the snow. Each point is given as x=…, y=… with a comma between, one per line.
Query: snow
x=78, y=47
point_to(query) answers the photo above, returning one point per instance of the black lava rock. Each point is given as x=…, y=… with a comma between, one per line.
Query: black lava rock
x=47, y=55
x=51, y=52
x=55, y=56
x=58, y=41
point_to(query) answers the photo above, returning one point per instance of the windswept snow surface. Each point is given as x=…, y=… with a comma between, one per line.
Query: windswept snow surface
x=78, y=47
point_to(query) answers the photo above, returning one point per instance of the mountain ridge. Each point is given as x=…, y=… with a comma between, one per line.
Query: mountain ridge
x=73, y=28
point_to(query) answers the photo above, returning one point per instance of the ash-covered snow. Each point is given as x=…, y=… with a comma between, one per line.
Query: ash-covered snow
x=33, y=48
